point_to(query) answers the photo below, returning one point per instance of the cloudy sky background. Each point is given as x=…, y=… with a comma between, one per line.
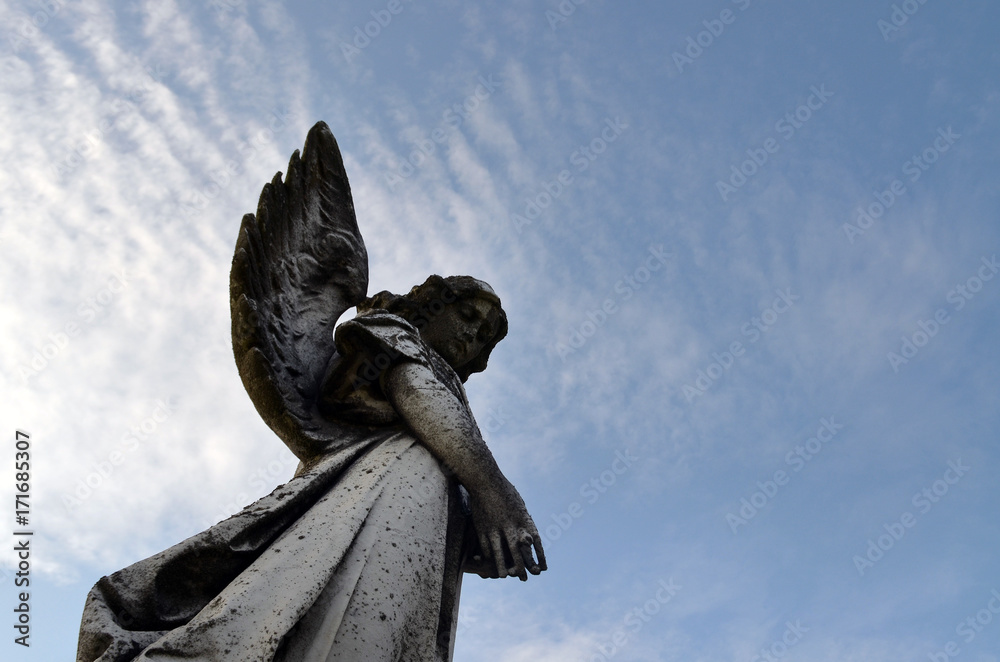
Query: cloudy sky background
x=135, y=137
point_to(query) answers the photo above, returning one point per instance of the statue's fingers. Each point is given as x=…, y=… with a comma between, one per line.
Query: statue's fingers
x=498, y=554
x=529, y=561
x=484, y=546
x=513, y=544
x=528, y=538
x=540, y=553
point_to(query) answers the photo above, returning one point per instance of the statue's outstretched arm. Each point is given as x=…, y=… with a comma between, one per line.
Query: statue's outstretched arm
x=446, y=426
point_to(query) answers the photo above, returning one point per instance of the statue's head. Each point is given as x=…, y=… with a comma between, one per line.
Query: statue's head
x=459, y=316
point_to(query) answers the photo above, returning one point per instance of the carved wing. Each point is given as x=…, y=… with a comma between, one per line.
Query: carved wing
x=299, y=264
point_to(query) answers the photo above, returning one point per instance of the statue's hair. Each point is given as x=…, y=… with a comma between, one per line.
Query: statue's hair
x=425, y=301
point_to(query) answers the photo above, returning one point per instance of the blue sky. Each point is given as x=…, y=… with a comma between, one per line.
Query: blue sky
x=747, y=249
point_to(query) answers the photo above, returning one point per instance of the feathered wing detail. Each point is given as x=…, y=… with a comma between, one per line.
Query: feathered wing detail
x=299, y=264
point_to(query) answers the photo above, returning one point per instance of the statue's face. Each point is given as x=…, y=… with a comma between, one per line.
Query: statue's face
x=461, y=331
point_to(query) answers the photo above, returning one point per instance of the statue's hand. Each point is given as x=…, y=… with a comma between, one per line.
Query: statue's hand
x=506, y=534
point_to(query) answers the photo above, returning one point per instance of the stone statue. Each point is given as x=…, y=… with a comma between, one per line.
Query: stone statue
x=360, y=556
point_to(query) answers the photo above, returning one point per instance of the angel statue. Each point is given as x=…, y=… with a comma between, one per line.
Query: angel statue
x=360, y=556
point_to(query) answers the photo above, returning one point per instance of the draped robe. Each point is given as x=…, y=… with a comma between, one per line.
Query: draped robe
x=359, y=556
